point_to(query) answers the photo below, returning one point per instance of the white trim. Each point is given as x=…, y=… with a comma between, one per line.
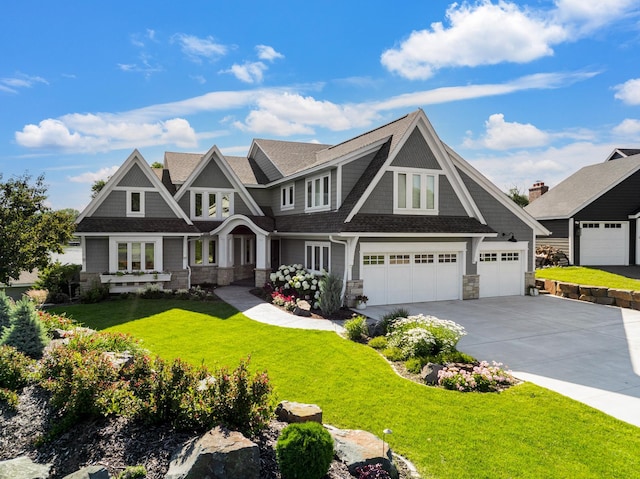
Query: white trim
x=413, y=247
x=229, y=223
x=289, y=192
x=312, y=181
x=135, y=214
x=424, y=176
x=205, y=240
x=157, y=253
x=420, y=235
x=503, y=246
x=206, y=193
x=310, y=262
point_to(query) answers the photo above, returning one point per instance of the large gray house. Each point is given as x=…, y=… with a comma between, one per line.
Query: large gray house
x=394, y=212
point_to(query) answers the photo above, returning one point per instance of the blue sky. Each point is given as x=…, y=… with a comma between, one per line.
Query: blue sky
x=524, y=91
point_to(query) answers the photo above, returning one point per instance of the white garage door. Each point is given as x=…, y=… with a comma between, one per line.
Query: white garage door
x=604, y=243
x=501, y=273
x=411, y=276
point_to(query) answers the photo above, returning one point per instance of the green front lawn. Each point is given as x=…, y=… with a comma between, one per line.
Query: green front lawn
x=589, y=277
x=524, y=432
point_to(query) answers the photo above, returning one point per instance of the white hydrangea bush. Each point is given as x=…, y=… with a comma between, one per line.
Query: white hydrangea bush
x=421, y=335
x=295, y=280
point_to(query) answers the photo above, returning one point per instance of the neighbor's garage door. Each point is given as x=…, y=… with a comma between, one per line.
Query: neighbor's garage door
x=604, y=243
x=411, y=276
x=501, y=273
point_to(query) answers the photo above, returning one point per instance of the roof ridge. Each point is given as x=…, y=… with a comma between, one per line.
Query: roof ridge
x=370, y=131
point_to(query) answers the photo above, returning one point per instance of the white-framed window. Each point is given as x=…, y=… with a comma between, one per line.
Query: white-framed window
x=373, y=259
x=415, y=192
x=135, y=203
x=488, y=257
x=248, y=245
x=317, y=255
x=318, y=191
x=448, y=258
x=511, y=256
x=424, y=258
x=211, y=205
x=204, y=252
x=287, y=197
x=135, y=254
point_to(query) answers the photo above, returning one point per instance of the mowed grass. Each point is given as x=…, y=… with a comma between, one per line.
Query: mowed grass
x=588, y=276
x=524, y=432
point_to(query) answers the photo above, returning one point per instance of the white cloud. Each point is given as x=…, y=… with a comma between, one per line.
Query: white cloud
x=266, y=52
x=588, y=15
x=628, y=129
x=249, y=72
x=629, y=92
x=91, y=177
x=502, y=135
x=198, y=48
x=478, y=34
x=20, y=80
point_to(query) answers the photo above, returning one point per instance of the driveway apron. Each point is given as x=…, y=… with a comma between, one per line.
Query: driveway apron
x=585, y=351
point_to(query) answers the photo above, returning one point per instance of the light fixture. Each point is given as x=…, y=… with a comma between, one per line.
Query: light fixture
x=512, y=238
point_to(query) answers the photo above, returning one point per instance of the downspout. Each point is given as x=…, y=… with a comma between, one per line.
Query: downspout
x=346, y=265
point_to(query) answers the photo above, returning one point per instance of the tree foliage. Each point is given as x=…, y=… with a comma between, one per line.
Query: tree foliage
x=157, y=165
x=26, y=332
x=518, y=197
x=97, y=186
x=29, y=229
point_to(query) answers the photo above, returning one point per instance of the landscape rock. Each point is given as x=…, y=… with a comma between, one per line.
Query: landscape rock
x=23, y=468
x=120, y=359
x=567, y=288
x=623, y=294
x=429, y=373
x=218, y=454
x=550, y=285
x=290, y=412
x=358, y=448
x=90, y=472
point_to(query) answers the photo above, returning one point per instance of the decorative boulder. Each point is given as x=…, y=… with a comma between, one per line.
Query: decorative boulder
x=290, y=412
x=303, y=308
x=23, y=468
x=119, y=359
x=90, y=472
x=429, y=373
x=357, y=448
x=219, y=454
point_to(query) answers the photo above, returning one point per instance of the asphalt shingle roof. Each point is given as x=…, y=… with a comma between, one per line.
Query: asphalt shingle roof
x=134, y=225
x=180, y=165
x=290, y=157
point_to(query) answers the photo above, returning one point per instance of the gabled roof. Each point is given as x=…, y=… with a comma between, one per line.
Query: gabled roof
x=247, y=170
x=622, y=153
x=289, y=157
x=180, y=165
x=581, y=188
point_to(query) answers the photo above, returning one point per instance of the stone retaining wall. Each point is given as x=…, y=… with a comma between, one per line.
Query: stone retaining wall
x=624, y=298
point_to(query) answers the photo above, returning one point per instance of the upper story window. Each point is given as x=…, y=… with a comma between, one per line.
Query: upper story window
x=211, y=205
x=318, y=193
x=287, y=197
x=415, y=192
x=135, y=203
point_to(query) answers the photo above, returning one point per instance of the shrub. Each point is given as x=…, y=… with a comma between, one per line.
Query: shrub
x=55, y=321
x=379, y=342
x=390, y=317
x=356, y=328
x=330, y=299
x=104, y=341
x=304, y=451
x=287, y=302
x=37, y=296
x=482, y=378
x=6, y=305
x=133, y=472
x=151, y=291
x=15, y=368
x=454, y=357
x=424, y=335
x=59, y=279
x=295, y=280
x=95, y=294
x=415, y=365
x=372, y=471
x=393, y=354
x=25, y=332
x=9, y=397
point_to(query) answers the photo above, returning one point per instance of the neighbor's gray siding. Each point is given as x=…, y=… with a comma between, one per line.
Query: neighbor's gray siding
x=352, y=171
x=499, y=218
x=416, y=154
x=380, y=201
x=212, y=177
x=156, y=207
x=114, y=205
x=266, y=166
x=135, y=177
x=616, y=204
x=172, y=254
x=558, y=228
x=97, y=255
x=448, y=202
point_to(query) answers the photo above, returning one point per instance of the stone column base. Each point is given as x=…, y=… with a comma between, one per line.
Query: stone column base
x=262, y=276
x=354, y=288
x=529, y=281
x=225, y=276
x=471, y=286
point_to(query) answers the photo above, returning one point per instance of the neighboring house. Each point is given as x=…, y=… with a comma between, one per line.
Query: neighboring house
x=593, y=214
x=394, y=212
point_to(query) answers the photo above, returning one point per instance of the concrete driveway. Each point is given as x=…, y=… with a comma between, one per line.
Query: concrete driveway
x=588, y=352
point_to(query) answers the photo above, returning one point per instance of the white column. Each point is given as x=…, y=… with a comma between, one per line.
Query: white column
x=261, y=251
x=223, y=251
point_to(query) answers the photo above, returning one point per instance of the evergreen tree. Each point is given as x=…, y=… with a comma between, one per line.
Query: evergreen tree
x=5, y=311
x=25, y=332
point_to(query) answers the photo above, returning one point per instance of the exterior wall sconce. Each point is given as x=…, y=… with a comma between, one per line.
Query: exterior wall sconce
x=512, y=238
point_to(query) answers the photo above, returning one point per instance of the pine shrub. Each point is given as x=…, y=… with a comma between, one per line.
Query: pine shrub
x=304, y=451
x=5, y=311
x=356, y=328
x=26, y=332
x=330, y=294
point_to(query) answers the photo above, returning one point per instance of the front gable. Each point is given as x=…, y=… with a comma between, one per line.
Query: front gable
x=415, y=153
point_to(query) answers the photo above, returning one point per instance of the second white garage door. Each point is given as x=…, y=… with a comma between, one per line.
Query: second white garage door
x=420, y=272
x=501, y=272
x=604, y=243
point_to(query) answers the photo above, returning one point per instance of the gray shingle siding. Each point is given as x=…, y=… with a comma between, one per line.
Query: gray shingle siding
x=212, y=177
x=135, y=177
x=185, y=203
x=448, y=202
x=239, y=206
x=156, y=207
x=266, y=166
x=114, y=205
x=292, y=251
x=97, y=255
x=416, y=154
x=352, y=171
x=380, y=201
x=172, y=254
x=337, y=260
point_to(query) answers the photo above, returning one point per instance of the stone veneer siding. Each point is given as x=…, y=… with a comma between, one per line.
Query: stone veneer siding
x=470, y=286
x=354, y=288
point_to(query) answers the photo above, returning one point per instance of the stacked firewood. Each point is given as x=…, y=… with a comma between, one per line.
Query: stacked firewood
x=549, y=256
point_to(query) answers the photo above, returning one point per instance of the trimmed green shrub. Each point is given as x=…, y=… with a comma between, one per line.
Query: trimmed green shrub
x=96, y=294
x=379, y=342
x=304, y=451
x=9, y=397
x=15, y=368
x=6, y=304
x=133, y=472
x=356, y=328
x=60, y=280
x=25, y=332
x=330, y=299
x=415, y=365
x=393, y=354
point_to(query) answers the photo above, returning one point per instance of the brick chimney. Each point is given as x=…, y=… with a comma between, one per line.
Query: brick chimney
x=537, y=190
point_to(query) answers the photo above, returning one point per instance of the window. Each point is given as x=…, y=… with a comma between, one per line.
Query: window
x=248, y=250
x=488, y=257
x=135, y=203
x=136, y=256
x=447, y=258
x=399, y=259
x=415, y=192
x=203, y=252
x=211, y=205
x=613, y=225
x=287, y=195
x=423, y=258
x=318, y=192
x=510, y=256
x=373, y=259
x=317, y=256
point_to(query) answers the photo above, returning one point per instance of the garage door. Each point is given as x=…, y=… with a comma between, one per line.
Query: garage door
x=604, y=243
x=501, y=273
x=409, y=277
